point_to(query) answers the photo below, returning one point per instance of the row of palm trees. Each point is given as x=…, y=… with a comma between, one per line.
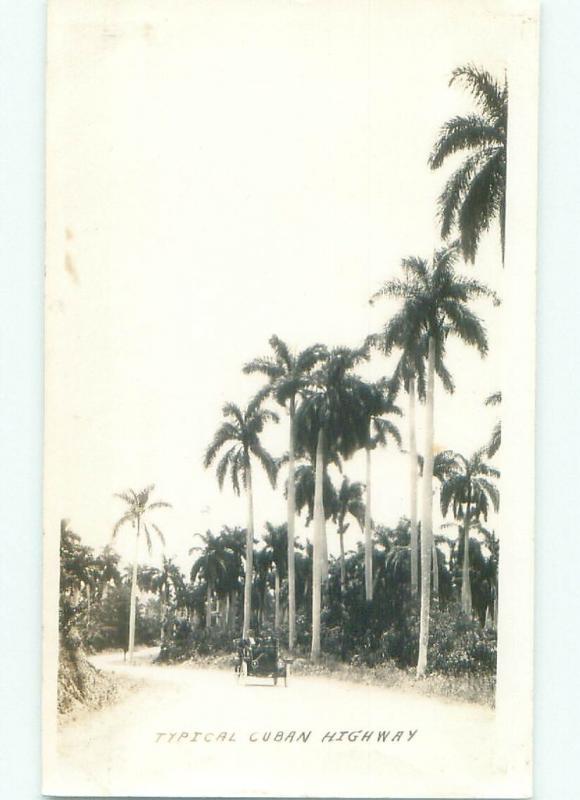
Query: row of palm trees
x=332, y=412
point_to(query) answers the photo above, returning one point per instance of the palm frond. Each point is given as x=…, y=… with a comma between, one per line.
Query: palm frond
x=159, y=533
x=129, y=516
x=494, y=443
x=485, y=89
x=493, y=399
x=464, y=133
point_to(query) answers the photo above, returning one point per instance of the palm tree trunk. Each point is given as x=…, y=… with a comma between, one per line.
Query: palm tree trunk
x=291, y=534
x=276, y=600
x=208, y=606
x=133, y=601
x=465, y=579
x=163, y=610
x=368, y=531
x=427, y=514
x=342, y=564
x=324, y=571
x=249, y=555
x=228, y=605
x=435, y=565
x=413, y=491
x=317, y=554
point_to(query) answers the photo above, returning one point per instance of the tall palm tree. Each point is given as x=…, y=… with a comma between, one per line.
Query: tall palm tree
x=474, y=195
x=401, y=332
x=139, y=508
x=349, y=501
x=435, y=301
x=240, y=433
x=327, y=421
x=468, y=488
x=376, y=403
x=287, y=373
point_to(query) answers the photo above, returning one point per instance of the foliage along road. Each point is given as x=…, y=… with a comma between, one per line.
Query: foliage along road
x=192, y=731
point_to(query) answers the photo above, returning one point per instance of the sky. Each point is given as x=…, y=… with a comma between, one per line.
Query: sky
x=219, y=172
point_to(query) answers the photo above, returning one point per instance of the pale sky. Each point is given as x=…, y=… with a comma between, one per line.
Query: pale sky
x=219, y=173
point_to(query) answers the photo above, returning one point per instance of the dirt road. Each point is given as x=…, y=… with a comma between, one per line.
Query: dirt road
x=195, y=731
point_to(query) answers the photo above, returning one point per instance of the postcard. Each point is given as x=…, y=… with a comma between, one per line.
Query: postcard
x=289, y=399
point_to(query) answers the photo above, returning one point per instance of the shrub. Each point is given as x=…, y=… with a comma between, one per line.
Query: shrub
x=187, y=642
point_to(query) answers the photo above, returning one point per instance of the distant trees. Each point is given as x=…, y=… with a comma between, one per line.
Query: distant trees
x=468, y=488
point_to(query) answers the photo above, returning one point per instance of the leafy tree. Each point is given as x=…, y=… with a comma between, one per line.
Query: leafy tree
x=474, y=195
x=76, y=561
x=435, y=301
x=138, y=511
x=287, y=373
x=240, y=434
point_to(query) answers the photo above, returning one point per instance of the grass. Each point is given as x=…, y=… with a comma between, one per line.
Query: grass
x=469, y=688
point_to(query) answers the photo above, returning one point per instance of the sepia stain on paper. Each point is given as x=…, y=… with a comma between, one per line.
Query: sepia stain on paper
x=70, y=268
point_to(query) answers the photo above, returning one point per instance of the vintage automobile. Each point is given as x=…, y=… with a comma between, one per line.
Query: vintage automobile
x=260, y=658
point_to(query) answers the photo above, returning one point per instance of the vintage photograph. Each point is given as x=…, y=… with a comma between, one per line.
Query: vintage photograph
x=289, y=398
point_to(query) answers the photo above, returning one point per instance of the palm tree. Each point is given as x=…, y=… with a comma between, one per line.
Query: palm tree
x=108, y=568
x=435, y=302
x=233, y=541
x=401, y=332
x=287, y=373
x=327, y=421
x=349, y=500
x=467, y=486
x=211, y=565
x=276, y=541
x=474, y=195
x=376, y=402
x=304, y=482
x=241, y=433
x=167, y=582
x=138, y=508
